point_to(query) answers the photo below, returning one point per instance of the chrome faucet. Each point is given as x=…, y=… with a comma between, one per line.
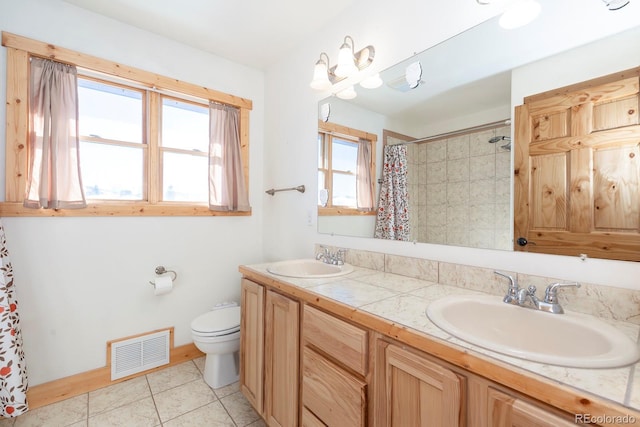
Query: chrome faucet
x=513, y=294
x=519, y=296
x=328, y=257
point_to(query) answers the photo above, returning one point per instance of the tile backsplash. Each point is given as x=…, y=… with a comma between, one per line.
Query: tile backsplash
x=605, y=302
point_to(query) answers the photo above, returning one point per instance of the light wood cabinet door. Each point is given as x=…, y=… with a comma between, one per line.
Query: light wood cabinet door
x=509, y=411
x=414, y=391
x=252, y=343
x=577, y=170
x=281, y=360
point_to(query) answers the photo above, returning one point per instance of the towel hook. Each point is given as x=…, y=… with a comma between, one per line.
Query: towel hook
x=161, y=270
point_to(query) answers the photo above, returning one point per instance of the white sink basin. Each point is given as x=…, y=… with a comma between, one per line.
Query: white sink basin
x=570, y=339
x=308, y=269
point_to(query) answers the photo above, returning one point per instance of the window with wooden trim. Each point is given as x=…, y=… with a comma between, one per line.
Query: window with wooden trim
x=144, y=138
x=337, y=168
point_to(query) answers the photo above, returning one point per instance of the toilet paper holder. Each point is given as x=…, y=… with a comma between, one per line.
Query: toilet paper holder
x=161, y=270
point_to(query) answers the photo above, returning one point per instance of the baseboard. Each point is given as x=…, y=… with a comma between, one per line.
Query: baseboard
x=84, y=382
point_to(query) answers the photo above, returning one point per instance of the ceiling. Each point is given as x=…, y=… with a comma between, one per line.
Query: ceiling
x=225, y=28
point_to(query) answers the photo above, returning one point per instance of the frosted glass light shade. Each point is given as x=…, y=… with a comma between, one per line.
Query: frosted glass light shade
x=346, y=63
x=372, y=82
x=320, y=79
x=348, y=93
x=520, y=14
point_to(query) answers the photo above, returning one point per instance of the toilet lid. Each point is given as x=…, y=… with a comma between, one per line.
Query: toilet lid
x=218, y=320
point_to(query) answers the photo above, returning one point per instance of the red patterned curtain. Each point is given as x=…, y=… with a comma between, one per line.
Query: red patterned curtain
x=13, y=371
x=393, y=208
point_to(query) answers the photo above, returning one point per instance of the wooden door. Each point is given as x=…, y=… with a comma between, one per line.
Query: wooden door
x=577, y=170
x=281, y=360
x=252, y=343
x=417, y=392
x=508, y=411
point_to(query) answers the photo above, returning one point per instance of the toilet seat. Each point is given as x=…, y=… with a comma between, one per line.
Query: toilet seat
x=218, y=322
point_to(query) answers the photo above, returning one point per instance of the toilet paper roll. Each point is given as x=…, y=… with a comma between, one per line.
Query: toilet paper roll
x=163, y=285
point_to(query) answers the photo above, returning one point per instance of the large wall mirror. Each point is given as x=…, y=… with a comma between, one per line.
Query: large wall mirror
x=456, y=127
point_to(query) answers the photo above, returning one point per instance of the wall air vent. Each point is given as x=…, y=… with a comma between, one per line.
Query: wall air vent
x=138, y=354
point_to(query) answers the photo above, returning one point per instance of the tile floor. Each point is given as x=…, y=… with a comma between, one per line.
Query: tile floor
x=173, y=397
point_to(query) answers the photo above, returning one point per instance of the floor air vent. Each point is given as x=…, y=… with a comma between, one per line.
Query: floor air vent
x=139, y=354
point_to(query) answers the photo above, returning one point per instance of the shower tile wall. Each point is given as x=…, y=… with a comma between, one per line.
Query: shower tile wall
x=459, y=191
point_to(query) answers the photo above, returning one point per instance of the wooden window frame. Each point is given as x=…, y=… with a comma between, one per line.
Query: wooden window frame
x=19, y=51
x=349, y=133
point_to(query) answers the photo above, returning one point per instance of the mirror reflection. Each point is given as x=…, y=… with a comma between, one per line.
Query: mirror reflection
x=455, y=127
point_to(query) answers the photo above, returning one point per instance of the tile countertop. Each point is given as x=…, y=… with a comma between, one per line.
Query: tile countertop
x=403, y=300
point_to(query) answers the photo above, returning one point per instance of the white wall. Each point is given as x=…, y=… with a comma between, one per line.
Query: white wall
x=83, y=281
x=397, y=30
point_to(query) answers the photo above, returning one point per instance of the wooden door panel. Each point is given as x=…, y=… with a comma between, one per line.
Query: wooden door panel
x=549, y=191
x=252, y=343
x=550, y=125
x=617, y=188
x=420, y=392
x=507, y=411
x=616, y=113
x=281, y=360
x=577, y=170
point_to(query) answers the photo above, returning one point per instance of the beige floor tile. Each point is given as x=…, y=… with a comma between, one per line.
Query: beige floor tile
x=227, y=390
x=212, y=414
x=139, y=414
x=108, y=398
x=258, y=423
x=63, y=413
x=7, y=422
x=173, y=377
x=182, y=399
x=240, y=409
x=200, y=363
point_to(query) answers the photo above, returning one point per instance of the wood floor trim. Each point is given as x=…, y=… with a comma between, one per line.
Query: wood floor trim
x=84, y=382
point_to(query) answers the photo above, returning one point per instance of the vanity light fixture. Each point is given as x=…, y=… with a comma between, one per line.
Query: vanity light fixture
x=615, y=4
x=349, y=63
x=371, y=82
x=412, y=74
x=321, y=74
x=348, y=93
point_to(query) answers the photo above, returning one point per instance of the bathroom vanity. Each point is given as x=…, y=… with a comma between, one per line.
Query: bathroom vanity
x=318, y=352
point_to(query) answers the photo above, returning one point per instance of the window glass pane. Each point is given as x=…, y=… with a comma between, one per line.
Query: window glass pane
x=111, y=172
x=344, y=155
x=344, y=190
x=185, y=178
x=185, y=125
x=109, y=112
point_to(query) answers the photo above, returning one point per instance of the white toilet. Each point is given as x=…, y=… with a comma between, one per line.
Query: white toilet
x=217, y=334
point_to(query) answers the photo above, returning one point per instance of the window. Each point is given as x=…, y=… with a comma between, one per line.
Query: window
x=184, y=147
x=338, y=166
x=111, y=120
x=144, y=138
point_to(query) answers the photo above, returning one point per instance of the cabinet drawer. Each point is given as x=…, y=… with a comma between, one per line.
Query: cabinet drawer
x=345, y=342
x=336, y=397
x=310, y=420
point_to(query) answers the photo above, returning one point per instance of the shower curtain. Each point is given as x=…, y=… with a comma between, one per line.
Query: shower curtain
x=13, y=373
x=393, y=207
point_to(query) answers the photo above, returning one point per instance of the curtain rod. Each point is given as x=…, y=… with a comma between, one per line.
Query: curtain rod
x=485, y=126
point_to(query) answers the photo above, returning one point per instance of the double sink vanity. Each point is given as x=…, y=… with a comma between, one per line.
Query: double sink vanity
x=337, y=344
